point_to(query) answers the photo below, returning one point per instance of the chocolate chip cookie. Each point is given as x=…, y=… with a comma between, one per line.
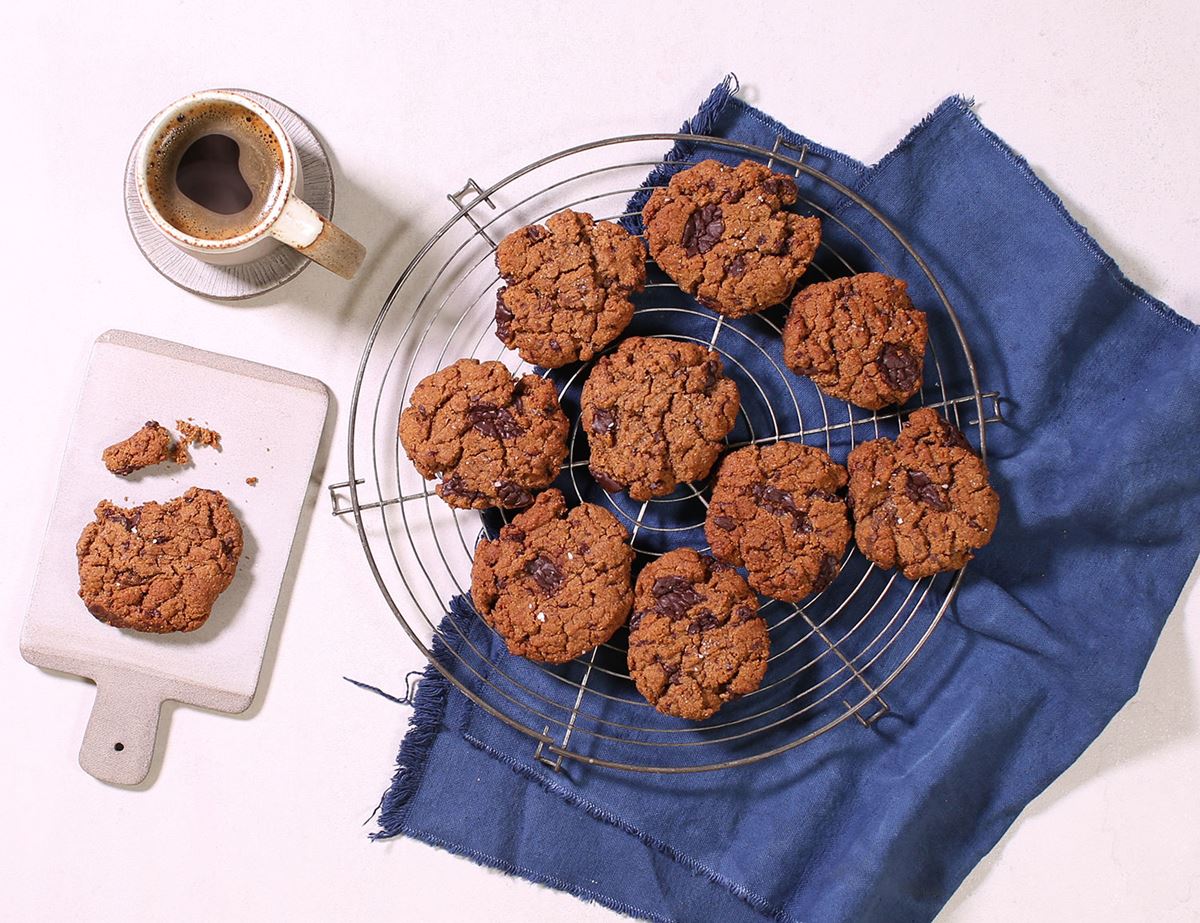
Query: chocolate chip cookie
x=776, y=510
x=656, y=413
x=922, y=503
x=159, y=567
x=492, y=439
x=696, y=640
x=148, y=446
x=858, y=338
x=724, y=235
x=568, y=287
x=555, y=583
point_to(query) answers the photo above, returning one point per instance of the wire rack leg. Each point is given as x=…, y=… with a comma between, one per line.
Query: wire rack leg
x=881, y=707
x=556, y=763
x=458, y=200
x=780, y=143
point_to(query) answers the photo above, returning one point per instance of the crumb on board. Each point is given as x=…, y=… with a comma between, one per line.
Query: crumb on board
x=197, y=435
x=252, y=481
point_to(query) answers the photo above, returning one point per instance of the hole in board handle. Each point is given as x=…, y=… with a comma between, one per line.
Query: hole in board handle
x=118, y=747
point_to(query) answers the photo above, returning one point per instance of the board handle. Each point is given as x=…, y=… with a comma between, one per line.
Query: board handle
x=118, y=744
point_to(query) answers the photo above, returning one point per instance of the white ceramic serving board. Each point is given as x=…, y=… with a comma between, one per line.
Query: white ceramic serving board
x=270, y=423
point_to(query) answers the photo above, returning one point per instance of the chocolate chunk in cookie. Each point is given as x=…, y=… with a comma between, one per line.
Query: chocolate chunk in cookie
x=555, y=583
x=696, y=640
x=494, y=440
x=724, y=235
x=777, y=511
x=568, y=287
x=148, y=446
x=159, y=567
x=858, y=338
x=656, y=413
x=923, y=502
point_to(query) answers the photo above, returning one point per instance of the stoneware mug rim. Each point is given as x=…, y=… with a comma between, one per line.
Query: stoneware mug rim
x=280, y=194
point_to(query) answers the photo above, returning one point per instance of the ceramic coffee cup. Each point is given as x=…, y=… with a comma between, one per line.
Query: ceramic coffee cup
x=218, y=176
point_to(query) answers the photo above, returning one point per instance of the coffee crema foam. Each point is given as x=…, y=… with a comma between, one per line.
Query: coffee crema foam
x=203, y=185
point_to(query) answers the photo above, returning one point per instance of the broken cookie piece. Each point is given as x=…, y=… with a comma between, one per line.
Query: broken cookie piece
x=148, y=446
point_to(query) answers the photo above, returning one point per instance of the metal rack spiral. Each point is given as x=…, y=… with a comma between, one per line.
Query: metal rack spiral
x=833, y=655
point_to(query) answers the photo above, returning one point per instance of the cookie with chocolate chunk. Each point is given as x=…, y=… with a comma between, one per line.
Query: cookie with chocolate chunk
x=696, y=640
x=493, y=439
x=724, y=234
x=159, y=567
x=778, y=511
x=568, y=287
x=556, y=582
x=148, y=446
x=656, y=413
x=858, y=338
x=922, y=503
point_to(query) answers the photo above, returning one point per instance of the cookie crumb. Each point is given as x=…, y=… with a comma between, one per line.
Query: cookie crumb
x=148, y=446
x=252, y=481
x=197, y=435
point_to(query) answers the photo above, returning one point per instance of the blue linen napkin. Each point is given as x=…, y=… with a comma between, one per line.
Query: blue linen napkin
x=1097, y=467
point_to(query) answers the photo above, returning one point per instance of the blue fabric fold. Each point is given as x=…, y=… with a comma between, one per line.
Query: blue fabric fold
x=1097, y=466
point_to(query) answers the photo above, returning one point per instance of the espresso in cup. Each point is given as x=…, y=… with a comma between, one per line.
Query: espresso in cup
x=221, y=179
x=215, y=170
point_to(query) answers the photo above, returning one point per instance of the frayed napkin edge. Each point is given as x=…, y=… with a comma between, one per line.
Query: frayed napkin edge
x=429, y=707
x=964, y=105
x=724, y=93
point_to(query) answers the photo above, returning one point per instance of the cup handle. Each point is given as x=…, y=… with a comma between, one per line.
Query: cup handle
x=303, y=228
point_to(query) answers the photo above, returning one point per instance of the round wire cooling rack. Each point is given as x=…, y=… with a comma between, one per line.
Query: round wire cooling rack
x=832, y=656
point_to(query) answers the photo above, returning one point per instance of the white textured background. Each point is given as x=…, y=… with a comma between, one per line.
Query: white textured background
x=260, y=818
